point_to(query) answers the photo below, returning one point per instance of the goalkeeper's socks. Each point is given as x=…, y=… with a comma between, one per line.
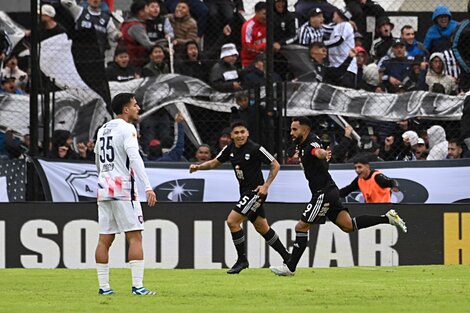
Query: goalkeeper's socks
x=273, y=240
x=102, y=270
x=239, y=242
x=301, y=239
x=365, y=221
x=137, y=271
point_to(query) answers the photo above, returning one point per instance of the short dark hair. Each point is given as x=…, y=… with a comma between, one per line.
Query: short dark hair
x=260, y=6
x=138, y=5
x=406, y=27
x=456, y=141
x=364, y=158
x=316, y=44
x=303, y=120
x=120, y=101
x=204, y=145
x=155, y=47
x=238, y=123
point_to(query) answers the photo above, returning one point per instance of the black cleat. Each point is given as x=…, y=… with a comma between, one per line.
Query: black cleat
x=238, y=267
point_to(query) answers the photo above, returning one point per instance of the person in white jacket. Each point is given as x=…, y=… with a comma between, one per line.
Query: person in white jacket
x=438, y=144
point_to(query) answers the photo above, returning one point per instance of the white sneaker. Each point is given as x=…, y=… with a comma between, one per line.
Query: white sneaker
x=282, y=270
x=396, y=220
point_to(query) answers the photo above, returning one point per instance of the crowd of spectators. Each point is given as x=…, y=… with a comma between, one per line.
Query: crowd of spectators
x=210, y=40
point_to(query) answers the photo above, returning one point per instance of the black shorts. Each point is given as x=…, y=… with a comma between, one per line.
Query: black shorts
x=251, y=206
x=323, y=204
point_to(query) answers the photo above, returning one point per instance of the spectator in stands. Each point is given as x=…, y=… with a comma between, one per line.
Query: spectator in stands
x=410, y=142
x=251, y=113
x=421, y=152
x=346, y=148
x=319, y=71
x=358, y=39
x=417, y=78
x=303, y=8
x=340, y=45
x=255, y=75
x=221, y=13
x=12, y=70
x=223, y=140
x=15, y=147
x=134, y=34
x=203, y=154
x=92, y=17
x=120, y=70
x=254, y=35
x=184, y=26
x=224, y=74
x=361, y=9
x=62, y=147
x=384, y=39
x=395, y=69
x=192, y=64
x=414, y=48
x=437, y=75
x=438, y=36
x=461, y=54
x=374, y=185
x=157, y=64
x=49, y=27
x=159, y=28
x=362, y=59
x=158, y=151
x=198, y=10
x=285, y=32
x=314, y=28
x=455, y=149
x=9, y=86
x=438, y=145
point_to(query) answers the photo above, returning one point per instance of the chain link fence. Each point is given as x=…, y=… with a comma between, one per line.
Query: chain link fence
x=374, y=76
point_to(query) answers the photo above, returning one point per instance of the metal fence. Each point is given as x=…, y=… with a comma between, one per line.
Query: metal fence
x=372, y=78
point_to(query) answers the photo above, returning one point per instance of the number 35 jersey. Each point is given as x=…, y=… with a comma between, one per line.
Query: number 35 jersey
x=116, y=177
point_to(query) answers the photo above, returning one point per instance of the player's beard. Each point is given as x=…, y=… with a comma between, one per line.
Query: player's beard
x=297, y=140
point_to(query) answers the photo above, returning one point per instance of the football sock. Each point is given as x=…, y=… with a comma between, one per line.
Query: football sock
x=137, y=271
x=103, y=275
x=272, y=239
x=239, y=242
x=301, y=239
x=365, y=221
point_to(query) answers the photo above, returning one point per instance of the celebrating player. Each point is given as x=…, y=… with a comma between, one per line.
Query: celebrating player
x=246, y=158
x=325, y=196
x=118, y=162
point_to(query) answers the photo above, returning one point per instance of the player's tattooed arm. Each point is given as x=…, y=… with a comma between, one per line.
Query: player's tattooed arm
x=273, y=170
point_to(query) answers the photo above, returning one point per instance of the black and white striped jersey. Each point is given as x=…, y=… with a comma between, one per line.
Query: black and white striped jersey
x=246, y=162
x=309, y=34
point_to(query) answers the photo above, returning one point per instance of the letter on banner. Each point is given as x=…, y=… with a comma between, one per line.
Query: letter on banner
x=203, y=246
x=456, y=238
x=30, y=239
x=329, y=234
x=169, y=243
x=72, y=243
x=368, y=246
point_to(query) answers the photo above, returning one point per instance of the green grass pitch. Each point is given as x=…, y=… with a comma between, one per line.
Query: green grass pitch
x=357, y=289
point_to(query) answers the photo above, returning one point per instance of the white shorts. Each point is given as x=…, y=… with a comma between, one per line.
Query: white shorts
x=119, y=216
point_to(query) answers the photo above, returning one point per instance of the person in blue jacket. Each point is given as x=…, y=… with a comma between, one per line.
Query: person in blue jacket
x=438, y=37
x=175, y=153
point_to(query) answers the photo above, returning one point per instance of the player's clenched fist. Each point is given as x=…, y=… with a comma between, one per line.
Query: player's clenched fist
x=193, y=168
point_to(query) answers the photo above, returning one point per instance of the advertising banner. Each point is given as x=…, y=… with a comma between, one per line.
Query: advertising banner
x=420, y=182
x=195, y=235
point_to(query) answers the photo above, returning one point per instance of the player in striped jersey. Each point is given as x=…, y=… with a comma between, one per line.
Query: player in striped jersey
x=246, y=158
x=325, y=200
x=118, y=163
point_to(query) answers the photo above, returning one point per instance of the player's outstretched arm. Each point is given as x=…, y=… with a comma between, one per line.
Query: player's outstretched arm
x=323, y=154
x=208, y=165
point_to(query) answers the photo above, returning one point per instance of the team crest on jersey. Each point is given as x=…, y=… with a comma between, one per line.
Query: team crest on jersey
x=247, y=156
x=102, y=21
x=231, y=155
x=141, y=219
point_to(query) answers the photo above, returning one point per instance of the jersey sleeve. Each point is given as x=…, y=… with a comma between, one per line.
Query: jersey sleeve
x=224, y=154
x=130, y=138
x=313, y=147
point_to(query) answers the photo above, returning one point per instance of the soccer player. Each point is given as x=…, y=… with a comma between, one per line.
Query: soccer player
x=325, y=196
x=247, y=157
x=118, y=162
x=375, y=186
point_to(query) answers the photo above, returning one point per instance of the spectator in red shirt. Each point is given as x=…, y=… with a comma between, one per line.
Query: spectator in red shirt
x=254, y=35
